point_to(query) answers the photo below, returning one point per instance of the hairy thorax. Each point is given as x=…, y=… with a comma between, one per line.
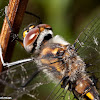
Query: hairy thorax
x=62, y=60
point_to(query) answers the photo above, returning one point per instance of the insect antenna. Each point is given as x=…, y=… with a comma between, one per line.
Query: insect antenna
x=40, y=21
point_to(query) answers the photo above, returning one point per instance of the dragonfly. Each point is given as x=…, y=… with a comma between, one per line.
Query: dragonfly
x=56, y=60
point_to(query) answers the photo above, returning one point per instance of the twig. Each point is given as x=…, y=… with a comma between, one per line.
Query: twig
x=15, y=12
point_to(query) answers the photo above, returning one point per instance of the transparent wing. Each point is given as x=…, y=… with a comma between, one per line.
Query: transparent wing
x=40, y=88
x=59, y=93
x=88, y=46
x=13, y=79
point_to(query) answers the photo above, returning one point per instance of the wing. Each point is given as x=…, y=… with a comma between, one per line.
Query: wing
x=61, y=93
x=87, y=46
x=14, y=78
x=14, y=84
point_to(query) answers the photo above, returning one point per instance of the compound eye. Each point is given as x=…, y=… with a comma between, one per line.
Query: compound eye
x=30, y=39
x=27, y=29
x=25, y=33
x=44, y=26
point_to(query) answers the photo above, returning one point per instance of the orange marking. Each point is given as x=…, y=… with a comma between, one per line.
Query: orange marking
x=55, y=51
x=46, y=50
x=41, y=29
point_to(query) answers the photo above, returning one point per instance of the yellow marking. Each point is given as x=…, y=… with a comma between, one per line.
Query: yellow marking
x=50, y=62
x=90, y=96
x=55, y=51
x=31, y=27
x=24, y=33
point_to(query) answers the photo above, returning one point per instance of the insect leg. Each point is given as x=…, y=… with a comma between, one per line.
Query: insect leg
x=16, y=62
x=15, y=36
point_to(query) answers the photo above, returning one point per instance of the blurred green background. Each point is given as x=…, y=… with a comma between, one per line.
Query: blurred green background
x=67, y=18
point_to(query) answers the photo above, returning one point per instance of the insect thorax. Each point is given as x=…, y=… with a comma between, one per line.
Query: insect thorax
x=62, y=60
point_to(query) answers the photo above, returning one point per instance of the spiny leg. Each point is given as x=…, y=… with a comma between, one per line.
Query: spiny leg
x=16, y=62
x=15, y=36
